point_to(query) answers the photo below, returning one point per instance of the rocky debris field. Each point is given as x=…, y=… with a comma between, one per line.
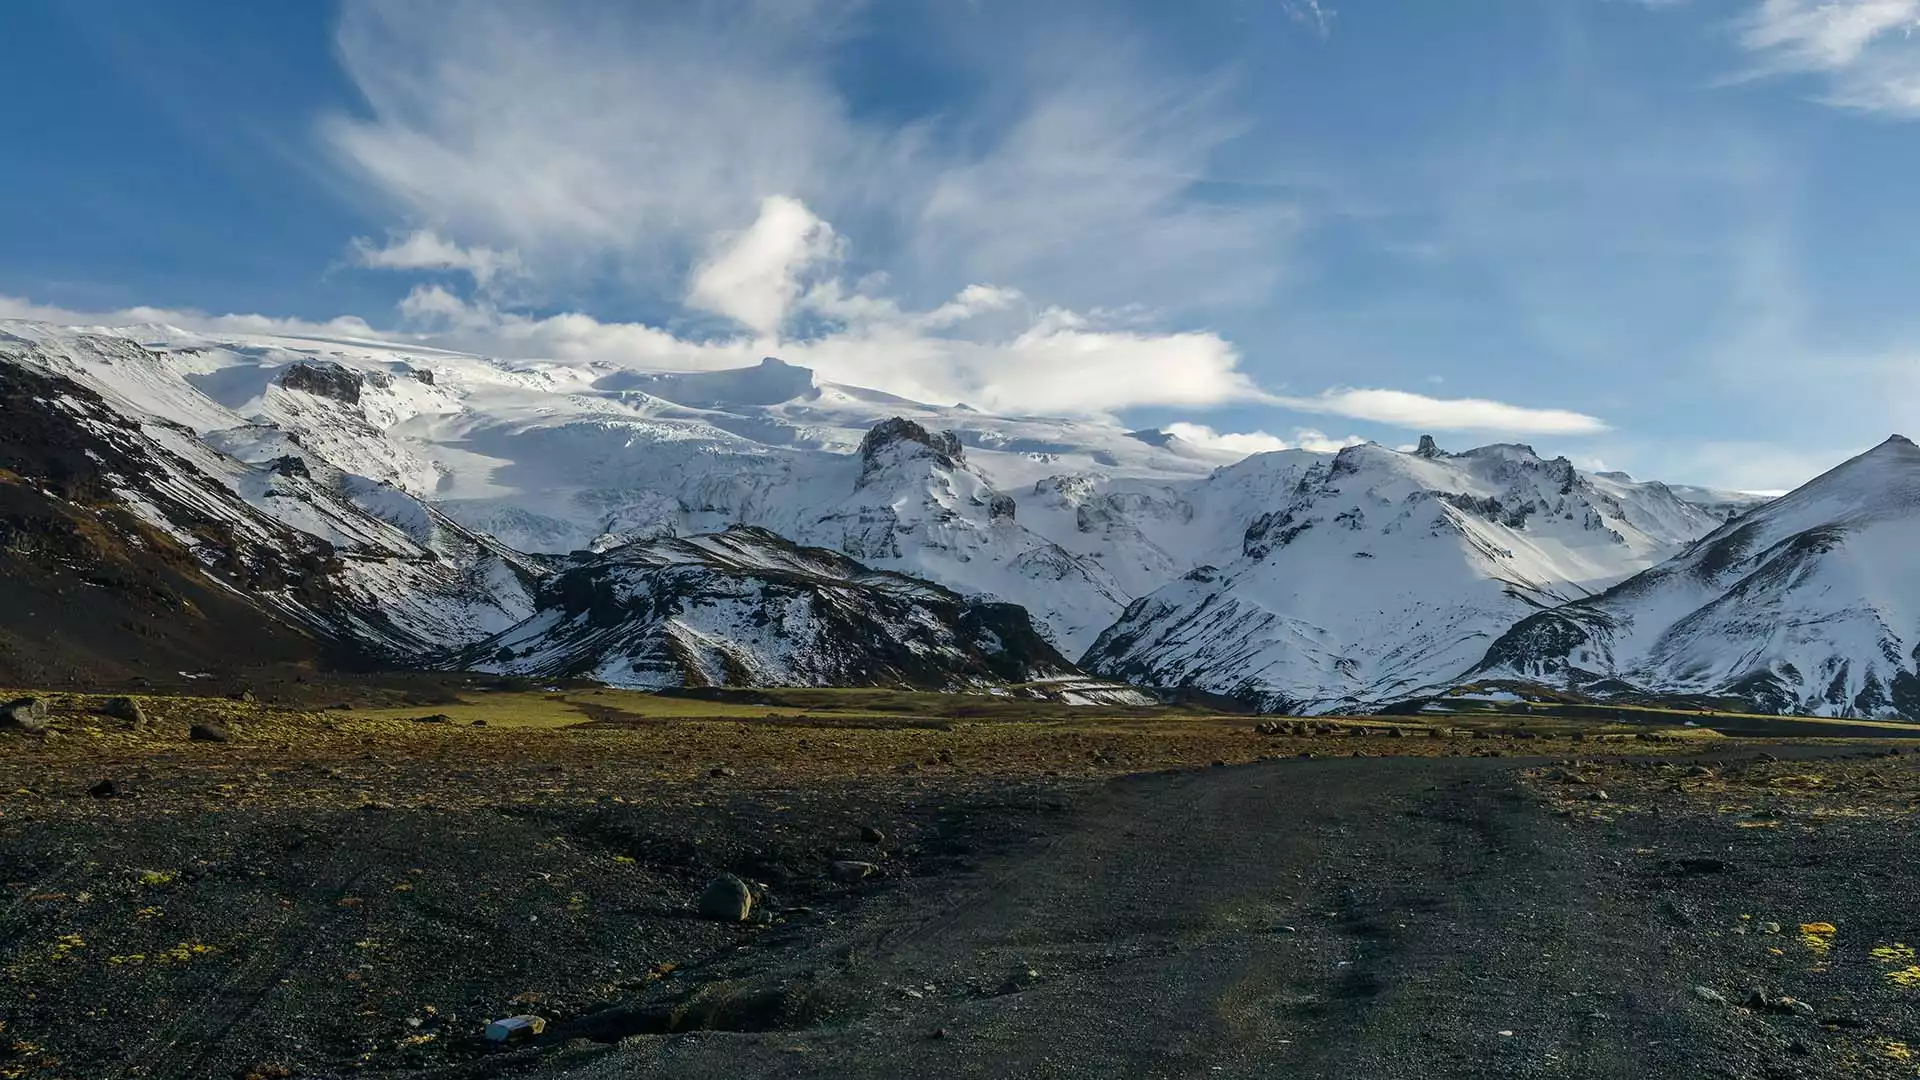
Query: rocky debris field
x=362, y=889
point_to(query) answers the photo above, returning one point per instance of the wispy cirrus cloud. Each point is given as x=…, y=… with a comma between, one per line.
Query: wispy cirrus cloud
x=1869, y=50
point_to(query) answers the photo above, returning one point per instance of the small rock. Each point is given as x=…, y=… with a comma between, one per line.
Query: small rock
x=1218, y=764
x=28, y=714
x=872, y=835
x=1600, y=795
x=515, y=1029
x=1709, y=995
x=1019, y=980
x=244, y=696
x=1793, y=1006
x=719, y=771
x=480, y=723
x=209, y=733
x=106, y=789
x=1757, y=999
x=126, y=708
x=726, y=899
x=938, y=1033
x=848, y=871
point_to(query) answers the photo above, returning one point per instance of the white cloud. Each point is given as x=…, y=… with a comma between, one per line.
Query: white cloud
x=348, y=326
x=1258, y=442
x=595, y=138
x=1869, y=49
x=1311, y=14
x=423, y=249
x=754, y=277
x=1418, y=411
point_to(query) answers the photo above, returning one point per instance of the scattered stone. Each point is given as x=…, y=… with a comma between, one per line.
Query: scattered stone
x=1769, y=927
x=107, y=789
x=872, y=835
x=719, y=771
x=1757, y=999
x=480, y=723
x=126, y=708
x=1218, y=764
x=848, y=871
x=726, y=899
x=1700, y=770
x=435, y=718
x=1020, y=980
x=515, y=1029
x=1709, y=995
x=28, y=714
x=209, y=733
x=1600, y=795
x=938, y=1033
x=1397, y=732
x=243, y=696
x=1793, y=1006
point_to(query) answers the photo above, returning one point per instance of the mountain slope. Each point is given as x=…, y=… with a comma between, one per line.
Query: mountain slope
x=1809, y=604
x=365, y=568
x=1378, y=572
x=748, y=608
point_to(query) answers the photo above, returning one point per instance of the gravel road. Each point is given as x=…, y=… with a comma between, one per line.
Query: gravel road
x=1372, y=918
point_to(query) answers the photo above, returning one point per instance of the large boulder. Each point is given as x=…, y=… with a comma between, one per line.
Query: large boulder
x=726, y=899
x=27, y=714
x=125, y=708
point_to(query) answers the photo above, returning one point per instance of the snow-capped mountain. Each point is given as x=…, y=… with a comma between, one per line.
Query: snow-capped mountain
x=1375, y=573
x=747, y=607
x=448, y=486
x=104, y=494
x=548, y=458
x=1809, y=604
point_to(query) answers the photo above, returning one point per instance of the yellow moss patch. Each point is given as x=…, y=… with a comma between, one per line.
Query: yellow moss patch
x=1907, y=978
x=66, y=945
x=1818, y=936
x=179, y=954
x=157, y=877
x=1894, y=953
x=1897, y=1051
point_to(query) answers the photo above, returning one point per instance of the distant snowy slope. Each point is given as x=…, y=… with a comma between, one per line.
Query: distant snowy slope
x=1807, y=604
x=1377, y=572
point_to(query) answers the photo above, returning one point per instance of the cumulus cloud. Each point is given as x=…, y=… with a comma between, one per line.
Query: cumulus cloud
x=1869, y=49
x=753, y=277
x=423, y=249
x=1418, y=411
x=1258, y=442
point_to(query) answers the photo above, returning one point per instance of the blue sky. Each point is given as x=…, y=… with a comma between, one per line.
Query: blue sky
x=1676, y=238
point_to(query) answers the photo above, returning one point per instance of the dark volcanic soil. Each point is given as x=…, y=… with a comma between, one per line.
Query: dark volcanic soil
x=313, y=901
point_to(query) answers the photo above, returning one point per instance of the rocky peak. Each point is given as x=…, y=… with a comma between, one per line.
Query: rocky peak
x=325, y=378
x=944, y=446
x=1428, y=448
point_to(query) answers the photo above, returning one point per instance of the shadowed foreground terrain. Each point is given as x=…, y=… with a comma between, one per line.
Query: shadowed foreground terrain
x=356, y=890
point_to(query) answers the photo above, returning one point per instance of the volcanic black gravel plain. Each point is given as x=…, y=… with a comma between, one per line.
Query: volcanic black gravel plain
x=356, y=891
